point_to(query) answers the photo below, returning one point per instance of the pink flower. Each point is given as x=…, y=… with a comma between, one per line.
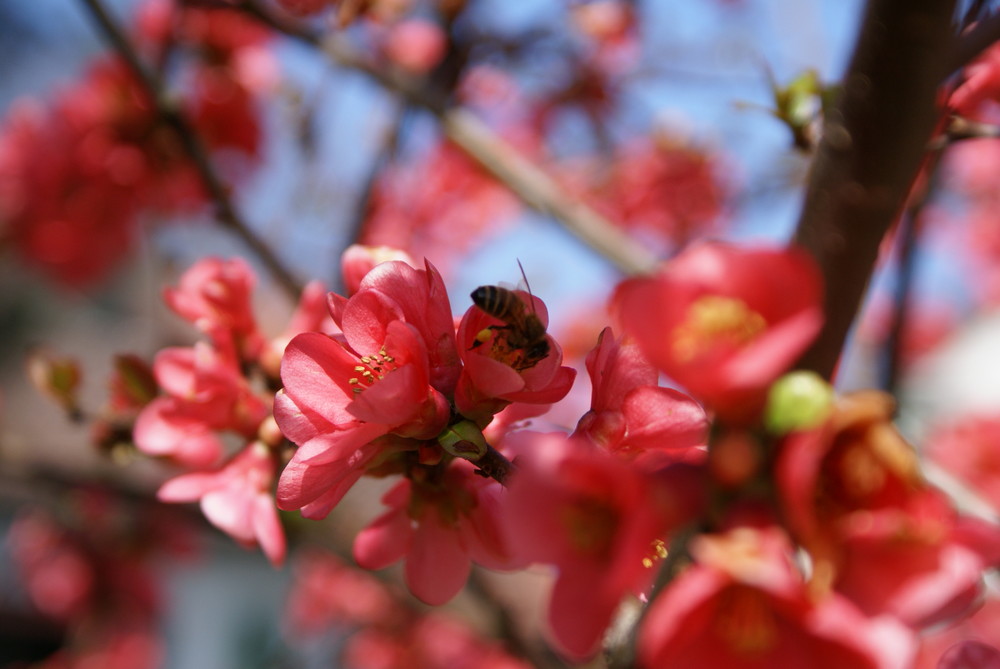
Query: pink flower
x=395, y=291
x=206, y=393
x=743, y=604
x=854, y=497
x=214, y=295
x=440, y=527
x=359, y=259
x=498, y=367
x=725, y=322
x=597, y=519
x=336, y=405
x=629, y=414
x=237, y=499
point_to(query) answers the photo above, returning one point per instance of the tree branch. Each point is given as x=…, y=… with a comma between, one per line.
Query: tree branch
x=167, y=110
x=530, y=183
x=874, y=142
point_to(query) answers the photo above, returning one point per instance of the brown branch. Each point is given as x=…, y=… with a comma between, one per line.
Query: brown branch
x=530, y=183
x=874, y=142
x=167, y=110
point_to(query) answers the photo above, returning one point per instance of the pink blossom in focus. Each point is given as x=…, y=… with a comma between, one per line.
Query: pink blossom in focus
x=214, y=295
x=206, y=393
x=358, y=259
x=497, y=372
x=335, y=404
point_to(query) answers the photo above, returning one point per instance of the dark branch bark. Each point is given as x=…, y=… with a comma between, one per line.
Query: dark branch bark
x=874, y=142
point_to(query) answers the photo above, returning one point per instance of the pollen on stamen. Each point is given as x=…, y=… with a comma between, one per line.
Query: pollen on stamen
x=659, y=552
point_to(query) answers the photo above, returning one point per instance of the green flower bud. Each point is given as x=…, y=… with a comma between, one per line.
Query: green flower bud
x=799, y=400
x=464, y=440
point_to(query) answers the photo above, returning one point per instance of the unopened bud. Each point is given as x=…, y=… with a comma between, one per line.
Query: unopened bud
x=269, y=434
x=799, y=400
x=464, y=440
x=132, y=383
x=59, y=378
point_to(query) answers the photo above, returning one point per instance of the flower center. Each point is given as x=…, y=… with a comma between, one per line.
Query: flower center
x=372, y=368
x=590, y=525
x=715, y=321
x=745, y=621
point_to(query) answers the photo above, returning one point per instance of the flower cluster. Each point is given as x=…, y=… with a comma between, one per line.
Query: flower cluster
x=218, y=387
x=763, y=519
x=399, y=392
x=109, y=156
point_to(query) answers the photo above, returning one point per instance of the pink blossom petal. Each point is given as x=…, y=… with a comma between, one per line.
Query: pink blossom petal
x=385, y=541
x=578, y=615
x=229, y=509
x=164, y=428
x=187, y=487
x=437, y=565
x=268, y=530
x=316, y=373
x=662, y=418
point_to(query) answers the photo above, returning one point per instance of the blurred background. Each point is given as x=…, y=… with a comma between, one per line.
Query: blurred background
x=673, y=121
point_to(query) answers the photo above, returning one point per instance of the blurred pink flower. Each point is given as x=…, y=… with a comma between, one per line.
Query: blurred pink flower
x=743, y=604
x=725, y=321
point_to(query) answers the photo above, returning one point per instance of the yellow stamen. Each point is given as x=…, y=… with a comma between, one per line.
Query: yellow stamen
x=715, y=320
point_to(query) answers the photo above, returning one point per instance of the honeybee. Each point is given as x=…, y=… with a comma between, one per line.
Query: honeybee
x=524, y=342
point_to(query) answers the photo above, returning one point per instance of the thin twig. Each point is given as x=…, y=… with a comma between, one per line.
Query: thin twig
x=530, y=183
x=167, y=110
